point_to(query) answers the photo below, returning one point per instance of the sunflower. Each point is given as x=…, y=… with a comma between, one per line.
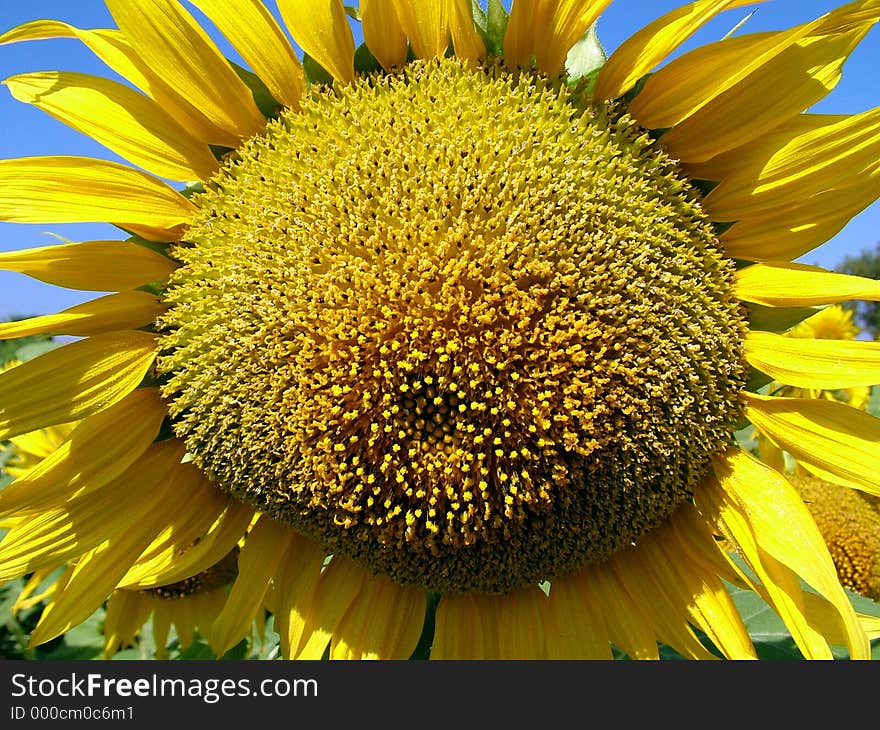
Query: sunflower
x=456, y=331
x=189, y=605
x=850, y=525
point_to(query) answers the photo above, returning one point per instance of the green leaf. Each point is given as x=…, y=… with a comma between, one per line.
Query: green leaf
x=35, y=347
x=585, y=58
x=767, y=631
x=84, y=641
x=353, y=12
x=769, y=634
x=314, y=72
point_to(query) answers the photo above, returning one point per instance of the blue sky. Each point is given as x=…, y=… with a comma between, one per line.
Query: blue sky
x=25, y=131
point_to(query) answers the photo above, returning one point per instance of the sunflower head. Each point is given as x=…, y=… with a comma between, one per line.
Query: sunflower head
x=471, y=350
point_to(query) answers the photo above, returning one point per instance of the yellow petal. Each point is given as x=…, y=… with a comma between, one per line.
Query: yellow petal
x=650, y=46
x=86, y=190
x=800, y=227
x=184, y=621
x=465, y=39
x=42, y=442
x=193, y=523
x=171, y=565
x=182, y=54
x=427, y=25
x=781, y=543
x=320, y=28
x=571, y=19
x=798, y=65
x=824, y=618
x=799, y=160
x=522, y=617
x=127, y=310
x=834, y=441
x=252, y=29
x=338, y=588
x=97, y=451
x=117, y=52
x=385, y=622
x=810, y=363
x=458, y=628
x=784, y=284
x=130, y=124
x=107, y=44
x=871, y=625
x=127, y=612
x=295, y=586
x=258, y=562
x=547, y=29
x=91, y=265
x=98, y=571
x=627, y=625
x=73, y=381
x=707, y=602
x=519, y=38
x=61, y=535
x=787, y=84
x=578, y=620
x=383, y=33
x=662, y=608
x=162, y=614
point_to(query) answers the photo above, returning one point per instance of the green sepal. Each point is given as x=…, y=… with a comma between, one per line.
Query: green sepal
x=314, y=72
x=156, y=246
x=353, y=12
x=636, y=89
x=364, y=61
x=192, y=188
x=220, y=151
x=757, y=380
x=777, y=319
x=491, y=24
x=705, y=187
x=585, y=59
x=263, y=98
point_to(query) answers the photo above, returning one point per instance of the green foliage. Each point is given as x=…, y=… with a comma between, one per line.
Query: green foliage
x=867, y=264
x=25, y=348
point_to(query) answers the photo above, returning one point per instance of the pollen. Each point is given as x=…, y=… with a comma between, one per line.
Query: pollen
x=465, y=326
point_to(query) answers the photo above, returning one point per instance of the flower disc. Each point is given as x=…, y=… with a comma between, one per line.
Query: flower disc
x=461, y=325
